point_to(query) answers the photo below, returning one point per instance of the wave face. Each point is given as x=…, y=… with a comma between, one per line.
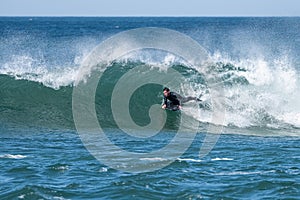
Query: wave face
x=255, y=59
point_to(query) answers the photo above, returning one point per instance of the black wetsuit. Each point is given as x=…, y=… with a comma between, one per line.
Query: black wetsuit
x=171, y=101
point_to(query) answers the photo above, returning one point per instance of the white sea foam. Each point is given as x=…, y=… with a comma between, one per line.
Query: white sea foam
x=103, y=169
x=188, y=160
x=271, y=97
x=153, y=159
x=11, y=156
x=244, y=173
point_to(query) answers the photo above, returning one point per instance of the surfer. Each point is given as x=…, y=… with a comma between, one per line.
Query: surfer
x=173, y=101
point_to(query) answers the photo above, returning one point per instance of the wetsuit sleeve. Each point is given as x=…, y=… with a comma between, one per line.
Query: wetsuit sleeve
x=173, y=98
x=165, y=101
x=179, y=102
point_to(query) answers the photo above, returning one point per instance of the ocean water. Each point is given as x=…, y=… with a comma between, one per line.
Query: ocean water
x=44, y=155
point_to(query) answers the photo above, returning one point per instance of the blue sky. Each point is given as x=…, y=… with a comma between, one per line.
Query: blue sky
x=150, y=7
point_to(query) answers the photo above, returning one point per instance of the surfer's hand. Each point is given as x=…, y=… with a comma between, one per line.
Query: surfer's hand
x=164, y=106
x=179, y=107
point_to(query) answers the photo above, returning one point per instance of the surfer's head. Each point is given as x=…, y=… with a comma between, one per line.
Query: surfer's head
x=166, y=91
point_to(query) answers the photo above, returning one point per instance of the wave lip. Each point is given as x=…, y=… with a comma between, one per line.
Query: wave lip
x=27, y=68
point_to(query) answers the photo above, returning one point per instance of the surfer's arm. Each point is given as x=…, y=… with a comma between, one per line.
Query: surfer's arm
x=164, y=105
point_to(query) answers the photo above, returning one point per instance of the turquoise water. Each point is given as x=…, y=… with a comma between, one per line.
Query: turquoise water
x=257, y=155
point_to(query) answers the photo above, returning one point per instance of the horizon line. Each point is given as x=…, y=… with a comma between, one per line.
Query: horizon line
x=149, y=16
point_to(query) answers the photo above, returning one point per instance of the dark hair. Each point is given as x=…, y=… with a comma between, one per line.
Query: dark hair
x=166, y=89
